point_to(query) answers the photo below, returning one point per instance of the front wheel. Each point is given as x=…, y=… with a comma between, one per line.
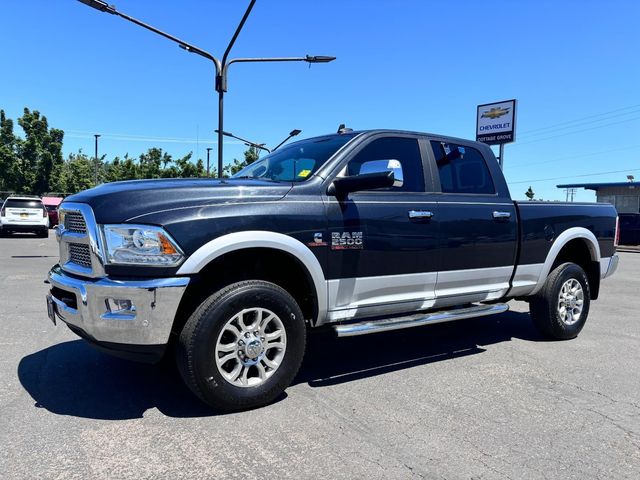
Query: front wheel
x=561, y=308
x=242, y=346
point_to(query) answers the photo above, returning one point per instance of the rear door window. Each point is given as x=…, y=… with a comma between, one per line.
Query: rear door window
x=462, y=169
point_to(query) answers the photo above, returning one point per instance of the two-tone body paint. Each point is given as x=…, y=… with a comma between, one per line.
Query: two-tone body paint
x=460, y=254
x=543, y=222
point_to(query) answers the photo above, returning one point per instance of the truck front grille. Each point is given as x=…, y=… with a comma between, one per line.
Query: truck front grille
x=80, y=254
x=74, y=222
x=80, y=242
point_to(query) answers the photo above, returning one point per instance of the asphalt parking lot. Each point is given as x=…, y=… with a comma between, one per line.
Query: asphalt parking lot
x=482, y=398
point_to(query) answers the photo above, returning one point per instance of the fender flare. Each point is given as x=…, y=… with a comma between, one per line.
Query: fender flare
x=233, y=242
x=564, y=238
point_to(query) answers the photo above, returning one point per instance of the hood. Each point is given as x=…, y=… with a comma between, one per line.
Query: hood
x=118, y=202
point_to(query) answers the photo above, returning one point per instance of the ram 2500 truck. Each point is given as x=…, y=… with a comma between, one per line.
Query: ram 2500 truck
x=362, y=232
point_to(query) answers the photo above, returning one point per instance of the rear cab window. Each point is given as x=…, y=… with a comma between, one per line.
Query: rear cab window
x=462, y=169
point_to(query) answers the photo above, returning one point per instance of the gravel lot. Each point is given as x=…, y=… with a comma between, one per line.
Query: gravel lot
x=483, y=398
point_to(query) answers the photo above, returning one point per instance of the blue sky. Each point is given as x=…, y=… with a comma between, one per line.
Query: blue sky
x=419, y=65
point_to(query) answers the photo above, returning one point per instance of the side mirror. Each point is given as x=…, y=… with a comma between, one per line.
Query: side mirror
x=355, y=183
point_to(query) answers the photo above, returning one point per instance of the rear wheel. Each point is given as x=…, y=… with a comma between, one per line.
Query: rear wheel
x=242, y=346
x=561, y=308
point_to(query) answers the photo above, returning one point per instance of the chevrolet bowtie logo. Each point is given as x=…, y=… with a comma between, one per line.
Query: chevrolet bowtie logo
x=495, y=112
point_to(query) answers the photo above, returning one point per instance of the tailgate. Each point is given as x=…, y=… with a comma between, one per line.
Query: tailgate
x=24, y=214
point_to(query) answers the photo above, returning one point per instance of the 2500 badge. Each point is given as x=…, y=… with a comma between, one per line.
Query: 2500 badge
x=346, y=241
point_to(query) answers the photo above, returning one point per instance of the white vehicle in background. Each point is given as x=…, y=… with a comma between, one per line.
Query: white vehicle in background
x=24, y=214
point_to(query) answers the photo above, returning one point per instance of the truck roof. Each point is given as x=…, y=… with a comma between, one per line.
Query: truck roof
x=356, y=133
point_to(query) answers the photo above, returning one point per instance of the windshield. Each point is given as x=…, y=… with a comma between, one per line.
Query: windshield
x=295, y=162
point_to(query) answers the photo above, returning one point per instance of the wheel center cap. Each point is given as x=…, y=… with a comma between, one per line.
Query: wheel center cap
x=253, y=348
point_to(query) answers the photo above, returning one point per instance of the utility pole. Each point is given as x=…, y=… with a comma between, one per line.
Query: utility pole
x=221, y=66
x=208, y=152
x=569, y=193
x=95, y=159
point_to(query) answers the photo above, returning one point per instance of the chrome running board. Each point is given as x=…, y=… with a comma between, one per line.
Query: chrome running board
x=418, y=320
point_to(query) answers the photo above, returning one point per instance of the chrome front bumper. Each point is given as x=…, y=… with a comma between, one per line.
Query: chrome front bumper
x=84, y=306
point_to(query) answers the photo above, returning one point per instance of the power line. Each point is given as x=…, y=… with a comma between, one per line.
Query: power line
x=576, y=131
x=579, y=124
x=128, y=135
x=150, y=139
x=548, y=127
x=576, y=176
x=572, y=157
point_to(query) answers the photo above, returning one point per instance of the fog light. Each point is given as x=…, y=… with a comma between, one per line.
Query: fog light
x=119, y=305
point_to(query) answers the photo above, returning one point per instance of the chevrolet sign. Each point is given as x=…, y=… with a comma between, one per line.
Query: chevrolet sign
x=495, y=122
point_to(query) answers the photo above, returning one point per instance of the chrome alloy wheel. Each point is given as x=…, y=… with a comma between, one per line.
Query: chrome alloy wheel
x=250, y=347
x=570, y=301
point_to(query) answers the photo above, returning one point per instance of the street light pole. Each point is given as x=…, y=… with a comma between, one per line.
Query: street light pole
x=208, y=152
x=221, y=67
x=95, y=181
x=221, y=83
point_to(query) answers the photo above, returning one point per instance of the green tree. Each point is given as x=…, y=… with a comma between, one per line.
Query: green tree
x=250, y=155
x=8, y=155
x=530, y=194
x=187, y=169
x=76, y=174
x=130, y=170
x=39, y=154
x=35, y=164
x=200, y=170
x=153, y=162
x=113, y=170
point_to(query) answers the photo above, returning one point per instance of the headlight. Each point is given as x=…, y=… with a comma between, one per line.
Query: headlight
x=140, y=245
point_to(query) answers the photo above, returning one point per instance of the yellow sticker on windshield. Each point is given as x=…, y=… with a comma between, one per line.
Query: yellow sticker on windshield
x=304, y=173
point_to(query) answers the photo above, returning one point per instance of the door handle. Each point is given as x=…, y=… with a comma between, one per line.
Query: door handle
x=501, y=215
x=420, y=214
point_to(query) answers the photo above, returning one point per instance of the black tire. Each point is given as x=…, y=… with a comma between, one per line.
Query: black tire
x=196, y=347
x=544, y=306
x=43, y=233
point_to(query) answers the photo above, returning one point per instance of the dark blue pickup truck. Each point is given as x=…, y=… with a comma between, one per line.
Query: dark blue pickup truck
x=362, y=232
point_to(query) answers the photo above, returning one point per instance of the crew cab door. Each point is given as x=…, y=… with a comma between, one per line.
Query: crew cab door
x=382, y=255
x=477, y=224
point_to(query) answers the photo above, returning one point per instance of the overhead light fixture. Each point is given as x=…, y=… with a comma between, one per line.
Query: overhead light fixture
x=100, y=5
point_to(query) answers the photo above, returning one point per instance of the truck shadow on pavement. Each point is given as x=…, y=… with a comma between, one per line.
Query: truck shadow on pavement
x=332, y=361
x=73, y=379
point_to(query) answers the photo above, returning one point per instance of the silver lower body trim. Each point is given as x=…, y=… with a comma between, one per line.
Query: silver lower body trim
x=525, y=279
x=392, y=295
x=417, y=320
x=149, y=321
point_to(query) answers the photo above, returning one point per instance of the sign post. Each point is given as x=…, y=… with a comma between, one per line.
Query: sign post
x=496, y=124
